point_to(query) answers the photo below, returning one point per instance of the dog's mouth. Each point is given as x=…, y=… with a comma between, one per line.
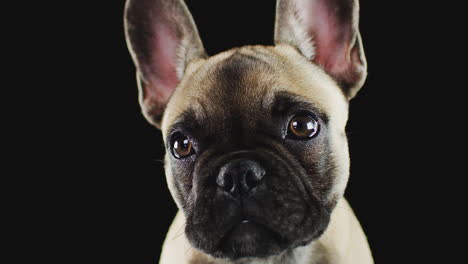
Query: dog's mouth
x=250, y=238
x=241, y=213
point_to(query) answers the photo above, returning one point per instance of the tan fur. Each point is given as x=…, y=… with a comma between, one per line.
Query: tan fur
x=297, y=76
x=164, y=44
x=344, y=241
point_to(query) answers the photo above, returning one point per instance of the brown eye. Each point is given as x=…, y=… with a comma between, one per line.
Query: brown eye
x=302, y=127
x=182, y=146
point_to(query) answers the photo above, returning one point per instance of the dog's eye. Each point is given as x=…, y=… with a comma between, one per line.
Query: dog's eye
x=302, y=127
x=182, y=146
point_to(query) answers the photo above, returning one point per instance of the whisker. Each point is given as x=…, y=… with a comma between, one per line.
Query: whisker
x=188, y=249
x=179, y=232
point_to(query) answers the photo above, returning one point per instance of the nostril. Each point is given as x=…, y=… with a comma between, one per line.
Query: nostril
x=250, y=179
x=253, y=178
x=226, y=182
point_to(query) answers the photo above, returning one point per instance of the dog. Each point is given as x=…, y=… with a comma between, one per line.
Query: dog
x=257, y=158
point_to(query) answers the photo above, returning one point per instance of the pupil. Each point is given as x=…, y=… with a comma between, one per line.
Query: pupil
x=181, y=144
x=185, y=143
x=182, y=147
x=301, y=125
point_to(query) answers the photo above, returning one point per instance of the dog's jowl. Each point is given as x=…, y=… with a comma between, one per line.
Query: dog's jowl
x=257, y=157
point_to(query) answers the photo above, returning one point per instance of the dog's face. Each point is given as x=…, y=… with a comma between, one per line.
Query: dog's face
x=280, y=120
x=257, y=154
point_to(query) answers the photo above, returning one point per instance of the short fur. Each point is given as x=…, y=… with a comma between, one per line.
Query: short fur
x=238, y=104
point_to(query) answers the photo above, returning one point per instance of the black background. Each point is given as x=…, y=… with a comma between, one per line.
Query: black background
x=113, y=198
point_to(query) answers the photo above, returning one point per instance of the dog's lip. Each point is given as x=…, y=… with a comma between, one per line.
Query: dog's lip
x=243, y=221
x=247, y=231
x=237, y=224
x=253, y=222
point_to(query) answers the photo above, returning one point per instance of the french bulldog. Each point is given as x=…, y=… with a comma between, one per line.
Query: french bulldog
x=257, y=157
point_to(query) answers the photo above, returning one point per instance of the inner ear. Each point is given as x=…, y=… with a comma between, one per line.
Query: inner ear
x=326, y=32
x=163, y=40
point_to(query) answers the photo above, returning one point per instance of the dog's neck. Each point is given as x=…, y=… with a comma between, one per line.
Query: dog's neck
x=343, y=242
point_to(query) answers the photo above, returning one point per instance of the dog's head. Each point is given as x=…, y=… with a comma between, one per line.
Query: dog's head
x=257, y=154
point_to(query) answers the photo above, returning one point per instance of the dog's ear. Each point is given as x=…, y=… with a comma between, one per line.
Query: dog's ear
x=326, y=32
x=162, y=39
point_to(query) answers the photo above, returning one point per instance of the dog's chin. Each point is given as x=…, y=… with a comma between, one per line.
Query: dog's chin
x=249, y=239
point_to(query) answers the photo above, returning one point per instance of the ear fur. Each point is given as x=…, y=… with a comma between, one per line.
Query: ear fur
x=163, y=40
x=326, y=32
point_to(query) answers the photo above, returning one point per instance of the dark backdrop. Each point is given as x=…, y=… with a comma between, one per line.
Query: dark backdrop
x=121, y=203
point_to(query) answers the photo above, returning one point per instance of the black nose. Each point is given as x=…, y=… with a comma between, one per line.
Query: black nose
x=240, y=176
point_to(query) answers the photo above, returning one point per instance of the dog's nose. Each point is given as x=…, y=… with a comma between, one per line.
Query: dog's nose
x=240, y=176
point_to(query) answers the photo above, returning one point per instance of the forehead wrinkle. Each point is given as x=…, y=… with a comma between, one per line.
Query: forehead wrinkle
x=237, y=91
x=239, y=81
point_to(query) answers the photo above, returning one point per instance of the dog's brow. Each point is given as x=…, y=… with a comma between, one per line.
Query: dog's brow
x=187, y=121
x=286, y=102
